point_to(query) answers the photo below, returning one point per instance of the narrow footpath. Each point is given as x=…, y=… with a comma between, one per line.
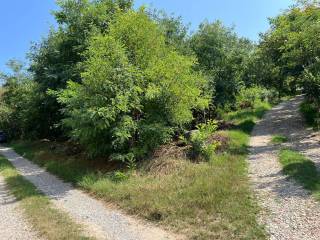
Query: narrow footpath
x=289, y=211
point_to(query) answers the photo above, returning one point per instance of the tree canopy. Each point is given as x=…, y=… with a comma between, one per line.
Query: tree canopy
x=134, y=88
x=121, y=81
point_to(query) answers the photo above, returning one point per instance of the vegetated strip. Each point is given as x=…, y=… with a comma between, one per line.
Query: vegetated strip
x=311, y=113
x=207, y=200
x=301, y=169
x=278, y=139
x=49, y=222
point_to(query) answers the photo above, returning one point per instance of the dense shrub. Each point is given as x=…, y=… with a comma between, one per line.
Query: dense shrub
x=135, y=91
x=55, y=60
x=310, y=110
x=248, y=97
x=18, y=103
x=311, y=81
x=5, y=117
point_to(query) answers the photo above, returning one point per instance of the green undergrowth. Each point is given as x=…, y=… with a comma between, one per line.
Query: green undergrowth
x=206, y=200
x=301, y=169
x=50, y=223
x=278, y=139
x=245, y=119
x=311, y=114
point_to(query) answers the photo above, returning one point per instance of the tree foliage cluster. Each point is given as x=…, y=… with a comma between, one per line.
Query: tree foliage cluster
x=135, y=90
x=222, y=55
x=121, y=81
x=293, y=50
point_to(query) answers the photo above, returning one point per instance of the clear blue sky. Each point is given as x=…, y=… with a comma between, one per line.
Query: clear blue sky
x=26, y=21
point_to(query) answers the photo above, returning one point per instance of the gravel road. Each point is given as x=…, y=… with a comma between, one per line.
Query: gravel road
x=12, y=224
x=100, y=221
x=289, y=211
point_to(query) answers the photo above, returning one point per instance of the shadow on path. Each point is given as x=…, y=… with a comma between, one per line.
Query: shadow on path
x=290, y=211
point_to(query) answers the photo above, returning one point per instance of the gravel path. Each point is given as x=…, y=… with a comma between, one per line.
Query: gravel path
x=290, y=212
x=12, y=225
x=100, y=221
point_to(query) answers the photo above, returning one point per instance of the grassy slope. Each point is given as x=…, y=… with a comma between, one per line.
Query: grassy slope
x=209, y=200
x=48, y=221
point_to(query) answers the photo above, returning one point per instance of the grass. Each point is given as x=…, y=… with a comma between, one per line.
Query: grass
x=47, y=220
x=301, y=169
x=278, y=139
x=310, y=113
x=245, y=119
x=208, y=200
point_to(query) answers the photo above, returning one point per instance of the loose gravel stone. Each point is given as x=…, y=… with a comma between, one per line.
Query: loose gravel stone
x=100, y=221
x=289, y=211
x=12, y=224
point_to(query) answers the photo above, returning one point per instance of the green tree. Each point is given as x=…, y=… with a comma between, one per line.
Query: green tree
x=222, y=55
x=135, y=91
x=293, y=46
x=56, y=59
x=18, y=107
x=174, y=30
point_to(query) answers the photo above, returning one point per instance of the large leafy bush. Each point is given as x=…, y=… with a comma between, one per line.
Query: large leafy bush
x=135, y=90
x=55, y=60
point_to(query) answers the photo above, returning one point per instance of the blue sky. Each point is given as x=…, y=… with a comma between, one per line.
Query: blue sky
x=23, y=22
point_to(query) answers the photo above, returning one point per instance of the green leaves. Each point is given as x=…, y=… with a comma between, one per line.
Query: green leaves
x=222, y=56
x=199, y=140
x=97, y=109
x=135, y=91
x=249, y=97
x=57, y=58
x=140, y=36
x=18, y=103
x=293, y=46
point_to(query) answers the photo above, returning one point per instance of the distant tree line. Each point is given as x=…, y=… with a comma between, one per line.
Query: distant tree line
x=121, y=81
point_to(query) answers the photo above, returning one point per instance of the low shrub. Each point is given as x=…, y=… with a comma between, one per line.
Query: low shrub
x=278, y=139
x=199, y=140
x=248, y=97
x=310, y=111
